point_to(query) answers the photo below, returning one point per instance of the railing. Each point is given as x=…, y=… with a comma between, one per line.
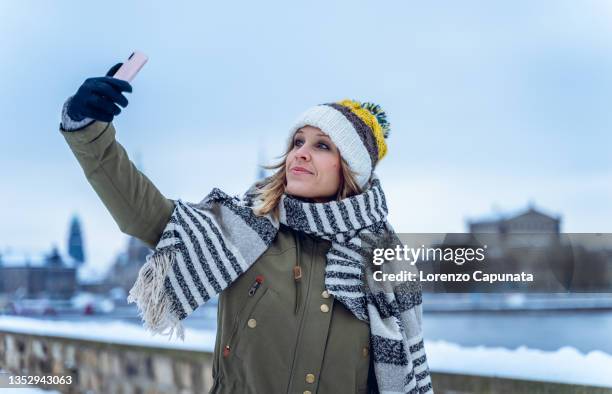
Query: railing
x=104, y=367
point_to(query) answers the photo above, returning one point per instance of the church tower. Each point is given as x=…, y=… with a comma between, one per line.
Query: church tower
x=75, y=242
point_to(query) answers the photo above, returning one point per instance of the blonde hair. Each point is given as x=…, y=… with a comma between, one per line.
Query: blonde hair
x=270, y=190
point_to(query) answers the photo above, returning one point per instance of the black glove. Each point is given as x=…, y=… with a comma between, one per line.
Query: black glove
x=97, y=98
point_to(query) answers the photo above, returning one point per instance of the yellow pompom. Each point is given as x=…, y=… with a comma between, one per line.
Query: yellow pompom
x=372, y=121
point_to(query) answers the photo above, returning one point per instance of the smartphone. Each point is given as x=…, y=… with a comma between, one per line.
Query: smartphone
x=130, y=68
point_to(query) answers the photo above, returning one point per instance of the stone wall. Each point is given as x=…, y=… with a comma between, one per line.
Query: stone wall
x=100, y=367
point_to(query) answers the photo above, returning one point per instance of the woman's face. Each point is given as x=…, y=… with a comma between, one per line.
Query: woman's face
x=313, y=166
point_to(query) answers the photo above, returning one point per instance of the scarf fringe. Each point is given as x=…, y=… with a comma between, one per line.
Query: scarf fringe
x=154, y=306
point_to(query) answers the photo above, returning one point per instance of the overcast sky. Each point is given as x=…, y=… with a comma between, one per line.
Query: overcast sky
x=492, y=104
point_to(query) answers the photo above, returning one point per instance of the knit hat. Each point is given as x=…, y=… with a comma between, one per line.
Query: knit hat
x=358, y=130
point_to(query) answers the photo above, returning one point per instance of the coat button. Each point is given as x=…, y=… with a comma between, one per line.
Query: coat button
x=310, y=378
x=365, y=351
x=324, y=308
x=325, y=294
x=252, y=323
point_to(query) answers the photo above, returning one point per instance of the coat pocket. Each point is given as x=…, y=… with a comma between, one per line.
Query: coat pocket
x=265, y=343
x=240, y=321
x=259, y=322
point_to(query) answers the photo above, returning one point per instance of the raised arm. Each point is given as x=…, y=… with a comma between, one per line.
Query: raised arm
x=136, y=205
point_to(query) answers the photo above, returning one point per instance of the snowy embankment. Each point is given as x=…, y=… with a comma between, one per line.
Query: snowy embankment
x=114, y=332
x=566, y=365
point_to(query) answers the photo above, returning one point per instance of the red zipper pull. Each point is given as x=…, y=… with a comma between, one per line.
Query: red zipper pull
x=226, y=351
x=258, y=281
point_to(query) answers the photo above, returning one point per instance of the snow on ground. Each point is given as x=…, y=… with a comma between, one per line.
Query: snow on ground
x=115, y=332
x=566, y=365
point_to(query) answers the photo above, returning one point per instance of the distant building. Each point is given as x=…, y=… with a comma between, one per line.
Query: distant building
x=526, y=228
x=75, y=242
x=124, y=271
x=530, y=220
x=48, y=276
x=526, y=241
x=51, y=276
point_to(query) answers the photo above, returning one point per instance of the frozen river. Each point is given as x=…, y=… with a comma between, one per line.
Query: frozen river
x=544, y=330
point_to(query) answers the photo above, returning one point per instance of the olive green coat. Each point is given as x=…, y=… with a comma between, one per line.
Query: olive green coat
x=290, y=336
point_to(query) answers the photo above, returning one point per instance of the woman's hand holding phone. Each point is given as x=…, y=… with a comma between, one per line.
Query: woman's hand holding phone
x=99, y=98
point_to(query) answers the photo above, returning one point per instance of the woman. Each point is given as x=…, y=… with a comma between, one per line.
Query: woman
x=297, y=312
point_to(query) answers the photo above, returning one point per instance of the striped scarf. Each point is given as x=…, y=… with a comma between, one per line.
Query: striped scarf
x=206, y=246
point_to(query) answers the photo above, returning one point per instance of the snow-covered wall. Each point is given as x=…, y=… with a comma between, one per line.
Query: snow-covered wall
x=566, y=365
x=101, y=363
